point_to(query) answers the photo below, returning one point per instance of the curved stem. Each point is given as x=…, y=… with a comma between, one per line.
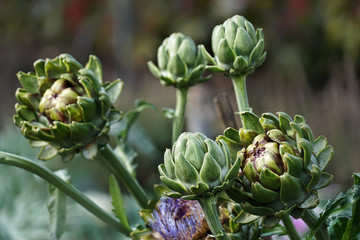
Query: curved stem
x=178, y=121
x=208, y=204
x=239, y=84
x=70, y=190
x=118, y=168
x=310, y=218
x=291, y=230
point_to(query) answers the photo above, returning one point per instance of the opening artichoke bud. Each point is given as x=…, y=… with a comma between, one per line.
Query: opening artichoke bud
x=65, y=107
x=281, y=168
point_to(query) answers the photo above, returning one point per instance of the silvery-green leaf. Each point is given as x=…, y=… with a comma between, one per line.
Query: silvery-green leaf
x=187, y=51
x=256, y=52
x=95, y=66
x=118, y=202
x=251, y=30
x=230, y=31
x=243, y=43
x=225, y=54
x=177, y=66
x=57, y=207
x=162, y=58
x=185, y=172
x=210, y=172
x=217, y=35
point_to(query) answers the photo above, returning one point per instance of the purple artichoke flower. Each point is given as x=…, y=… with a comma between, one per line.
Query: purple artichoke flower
x=179, y=219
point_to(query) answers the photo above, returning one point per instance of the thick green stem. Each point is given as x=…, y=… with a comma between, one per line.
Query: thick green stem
x=69, y=190
x=310, y=218
x=178, y=121
x=118, y=168
x=291, y=230
x=239, y=84
x=208, y=205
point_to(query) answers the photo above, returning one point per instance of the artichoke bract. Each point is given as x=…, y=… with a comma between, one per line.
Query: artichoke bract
x=65, y=108
x=180, y=62
x=197, y=166
x=282, y=165
x=238, y=48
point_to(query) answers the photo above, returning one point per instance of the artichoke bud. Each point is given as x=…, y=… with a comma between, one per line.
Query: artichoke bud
x=65, y=106
x=238, y=48
x=180, y=62
x=197, y=165
x=282, y=167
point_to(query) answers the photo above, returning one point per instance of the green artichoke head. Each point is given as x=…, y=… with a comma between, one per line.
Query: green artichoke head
x=282, y=165
x=238, y=48
x=180, y=62
x=197, y=166
x=65, y=108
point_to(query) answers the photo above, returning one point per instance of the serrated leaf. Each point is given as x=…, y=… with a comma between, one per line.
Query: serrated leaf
x=126, y=154
x=118, y=202
x=57, y=207
x=345, y=206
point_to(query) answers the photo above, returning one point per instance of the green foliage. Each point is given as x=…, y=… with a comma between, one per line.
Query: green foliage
x=57, y=207
x=342, y=215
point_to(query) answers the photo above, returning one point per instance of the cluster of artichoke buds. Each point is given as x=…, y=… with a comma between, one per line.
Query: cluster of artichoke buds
x=197, y=166
x=238, y=48
x=180, y=62
x=65, y=108
x=282, y=165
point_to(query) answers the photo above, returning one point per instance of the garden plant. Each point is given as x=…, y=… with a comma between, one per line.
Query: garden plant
x=248, y=183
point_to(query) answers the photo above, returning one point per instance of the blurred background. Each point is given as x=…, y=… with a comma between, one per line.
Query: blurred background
x=312, y=68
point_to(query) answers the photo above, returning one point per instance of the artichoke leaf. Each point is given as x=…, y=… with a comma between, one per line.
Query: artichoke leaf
x=95, y=66
x=47, y=152
x=186, y=172
x=324, y=157
x=225, y=54
x=210, y=172
x=154, y=70
x=292, y=189
x=319, y=144
x=256, y=52
x=251, y=122
x=28, y=81
x=262, y=194
x=257, y=210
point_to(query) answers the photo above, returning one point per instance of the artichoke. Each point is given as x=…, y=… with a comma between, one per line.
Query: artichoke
x=181, y=63
x=238, y=48
x=282, y=166
x=178, y=219
x=64, y=107
x=197, y=166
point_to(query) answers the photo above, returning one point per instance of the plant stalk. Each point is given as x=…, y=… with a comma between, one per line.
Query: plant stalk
x=208, y=204
x=178, y=121
x=68, y=189
x=242, y=101
x=291, y=230
x=117, y=166
x=310, y=218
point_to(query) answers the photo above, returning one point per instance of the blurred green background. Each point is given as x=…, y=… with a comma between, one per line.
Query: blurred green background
x=312, y=68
